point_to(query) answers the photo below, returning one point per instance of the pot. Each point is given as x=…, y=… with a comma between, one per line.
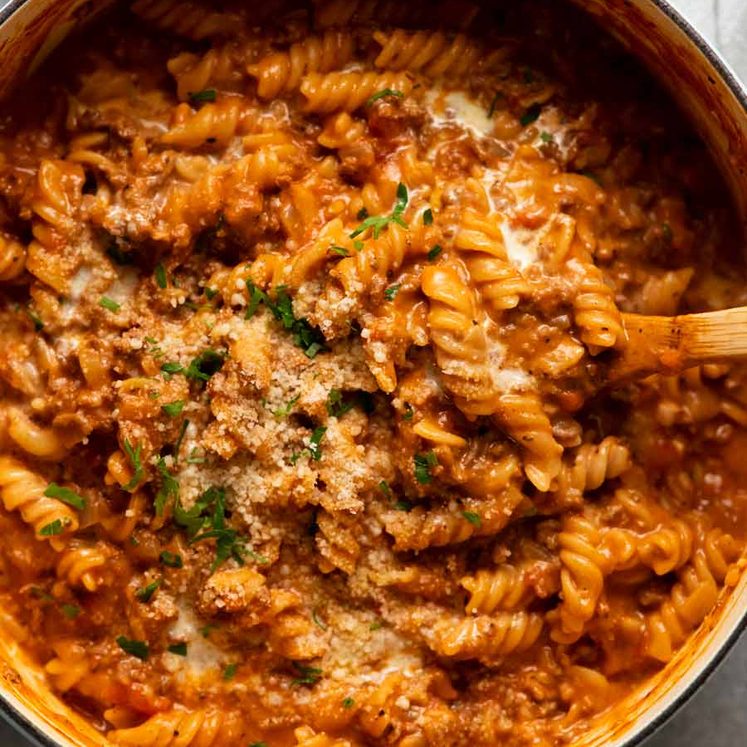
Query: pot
x=716, y=102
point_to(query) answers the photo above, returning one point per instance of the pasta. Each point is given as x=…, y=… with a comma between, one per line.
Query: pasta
x=306, y=430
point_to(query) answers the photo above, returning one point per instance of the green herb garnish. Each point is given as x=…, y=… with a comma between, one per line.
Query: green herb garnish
x=428, y=217
x=171, y=559
x=138, y=649
x=423, y=465
x=472, y=518
x=38, y=323
x=348, y=703
x=65, y=495
x=180, y=649
x=340, y=251
x=205, y=365
x=530, y=115
x=146, y=593
x=52, y=529
x=70, y=611
x=200, y=97
x=336, y=405
x=546, y=137
x=379, y=222
x=317, y=621
x=287, y=408
x=230, y=671
x=172, y=409
x=382, y=94
x=306, y=675
x=169, y=489
x=385, y=489
x=315, y=449
x=403, y=506
x=160, y=275
x=109, y=304
x=392, y=291
x=433, y=253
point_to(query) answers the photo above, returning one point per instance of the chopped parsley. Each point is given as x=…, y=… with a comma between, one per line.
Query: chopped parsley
x=195, y=458
x=433, y=253
x=362, y=214
x=171, y=367
x=199, y=97
x=472, y=518
x=546, y=137
x=115, y=253
x=210, y=293
x=205, y=365
x=171, y=559
x=230, y=671
x=315, y=448
x=138, y=649
x=376, y=625
x=180, y=649
x=179, y=439
x=38, y=323
x=228, y=544
x=358, y=244
x=306, y=675
x=428, y=217
x=146, y=593
x=392, y=291
x=423, y=465
x=348, y=703
x=309, y=338
x=52, y=529
x=160, y=275
x=109, y=304
x=339, y=250
x=336, y=404
x=530, y=115
x=383, y=93
x=169, y=489
x=403, y=505
x=172, y=409
x=408, y=413
x=494, y=103
x=385, y=489
x=70, y=611
x=379, y=222
x=317, y=620
x=65, y=495
x=287, y=408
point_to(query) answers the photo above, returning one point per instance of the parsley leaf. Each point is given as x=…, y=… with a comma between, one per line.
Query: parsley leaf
x=52, y=529
x=423, y=465
x=199, y=97
x=472, y=518
x=392, y=291
x=385, y=489
x=315, y=448
x=408, y=413
x=348, y=703
x=230, y=671
x=546, y=137
x=109, y=304
x=172, y=409
x=403, y=506
x=160, y=275
x=138, y=649
x=339, y=250
x=169, y=487
x=379, y=222
x=205, y=365
x=428, y=217
x=180, y=649
x=171, y=559
x=65, y=495
x=287, y=408
x=433, y=253
x=146, y=593
x=306, y=675
x=38, y=323
x=530, y=115
x=383, y=93
x=336, y=406
x=70, y=611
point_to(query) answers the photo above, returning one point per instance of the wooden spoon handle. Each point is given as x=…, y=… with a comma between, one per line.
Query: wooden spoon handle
x=669, y=344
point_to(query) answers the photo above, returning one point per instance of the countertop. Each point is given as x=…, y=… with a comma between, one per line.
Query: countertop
x=717, y=715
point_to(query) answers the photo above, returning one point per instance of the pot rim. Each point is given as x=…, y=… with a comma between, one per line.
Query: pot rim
x=636, y=736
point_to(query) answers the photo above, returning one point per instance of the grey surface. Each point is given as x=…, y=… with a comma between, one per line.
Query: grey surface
x=716, y=716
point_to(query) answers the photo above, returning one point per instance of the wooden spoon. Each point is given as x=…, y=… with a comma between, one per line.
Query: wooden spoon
x=669, y=344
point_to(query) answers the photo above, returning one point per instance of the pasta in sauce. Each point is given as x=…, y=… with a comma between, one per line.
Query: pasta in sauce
x=306, y=309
